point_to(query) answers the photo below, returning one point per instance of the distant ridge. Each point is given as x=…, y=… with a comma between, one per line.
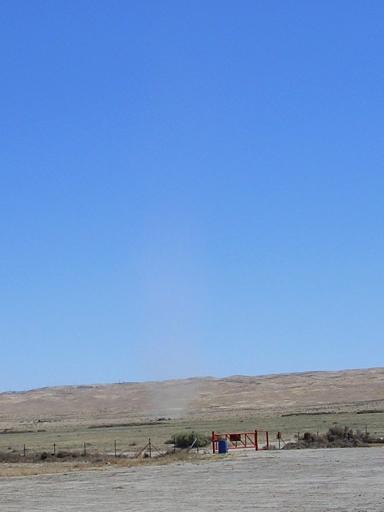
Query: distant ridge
x=207, y=396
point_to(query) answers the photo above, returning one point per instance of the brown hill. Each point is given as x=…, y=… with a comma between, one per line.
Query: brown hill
x=116, y=403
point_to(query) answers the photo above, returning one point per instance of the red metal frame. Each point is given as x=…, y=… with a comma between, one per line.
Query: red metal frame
x=238, y=440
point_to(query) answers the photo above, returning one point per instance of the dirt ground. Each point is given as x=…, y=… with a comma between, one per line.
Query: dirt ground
x=308, y=480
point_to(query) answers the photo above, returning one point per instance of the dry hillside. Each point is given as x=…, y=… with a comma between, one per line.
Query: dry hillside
x=208, y=397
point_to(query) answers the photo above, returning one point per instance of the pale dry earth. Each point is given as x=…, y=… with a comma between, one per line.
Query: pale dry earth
x=291, y=481
x=50, y=408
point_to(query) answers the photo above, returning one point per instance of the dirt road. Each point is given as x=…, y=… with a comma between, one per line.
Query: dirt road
x=307, y=480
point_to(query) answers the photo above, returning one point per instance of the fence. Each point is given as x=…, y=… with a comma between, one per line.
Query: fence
x=85, y=449
x=11, y=450
x=257, y=439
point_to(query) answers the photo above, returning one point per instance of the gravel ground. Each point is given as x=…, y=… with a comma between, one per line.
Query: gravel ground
x=307, y=480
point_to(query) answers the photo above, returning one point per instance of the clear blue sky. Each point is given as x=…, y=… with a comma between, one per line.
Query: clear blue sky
x=190, y=188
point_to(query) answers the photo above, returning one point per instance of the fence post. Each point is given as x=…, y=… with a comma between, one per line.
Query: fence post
x=267, y=439
x=115, y=448
x=24, y=450
x=213, y=442
x=54, y=448
x=150, y=448
x=84, y=449
x=256, y=440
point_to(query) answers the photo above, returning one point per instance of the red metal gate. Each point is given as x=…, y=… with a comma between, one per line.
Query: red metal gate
x=238, y=440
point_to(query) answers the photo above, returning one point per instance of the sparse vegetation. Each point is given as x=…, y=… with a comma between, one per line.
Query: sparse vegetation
x=188, y=439
x=18, y=465
x=336, y=437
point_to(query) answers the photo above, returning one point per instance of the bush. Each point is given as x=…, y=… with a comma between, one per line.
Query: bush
x=308, y=437
x=338, y=433
x=336, y=437
x=187, y=439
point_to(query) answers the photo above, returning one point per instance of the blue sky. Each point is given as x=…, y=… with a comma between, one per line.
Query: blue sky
x=189, y=188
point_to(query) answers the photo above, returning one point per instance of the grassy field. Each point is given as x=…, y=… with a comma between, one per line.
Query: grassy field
x=130, y=413
x=130, y=438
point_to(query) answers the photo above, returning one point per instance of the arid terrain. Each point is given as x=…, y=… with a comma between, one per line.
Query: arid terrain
x=121, y=417
x=129, y=413
x=200, y=397
x=344, y=480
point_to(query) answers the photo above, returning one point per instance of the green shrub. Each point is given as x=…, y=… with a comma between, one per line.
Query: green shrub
x=308, y=437
x=336, y=437
x=187, y=439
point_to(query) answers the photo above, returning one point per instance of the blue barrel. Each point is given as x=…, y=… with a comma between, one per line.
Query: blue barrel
x=223, y=446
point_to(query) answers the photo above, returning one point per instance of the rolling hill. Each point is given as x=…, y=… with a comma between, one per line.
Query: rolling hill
x=294, y=393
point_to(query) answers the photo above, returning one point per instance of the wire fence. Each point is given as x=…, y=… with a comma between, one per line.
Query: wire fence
x=87, y=450
x=119, y=448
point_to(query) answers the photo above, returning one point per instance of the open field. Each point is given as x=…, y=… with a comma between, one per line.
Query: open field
x=130, y=413
x=131, y=438
x=318, y=480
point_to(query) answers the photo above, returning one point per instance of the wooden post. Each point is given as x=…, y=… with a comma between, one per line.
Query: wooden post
x=150, y=448
x=54, y=448
x=267, y=439
x=213, y=442
x=256, y=440
x=115, y=448
x=84, y=449
x=24, y=451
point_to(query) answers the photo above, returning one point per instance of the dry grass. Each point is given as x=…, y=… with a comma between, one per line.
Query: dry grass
x=130, y=439
x=132, y=403
x=131, y=413
x=19, y=469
